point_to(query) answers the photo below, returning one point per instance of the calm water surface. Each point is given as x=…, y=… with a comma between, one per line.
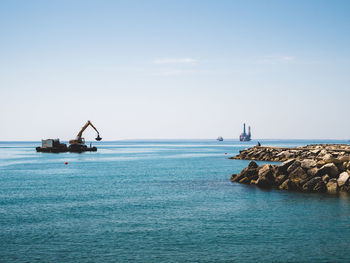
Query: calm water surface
x=159, y=201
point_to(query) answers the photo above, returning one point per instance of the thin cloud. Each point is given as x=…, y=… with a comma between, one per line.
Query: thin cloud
x=288, y=58
x=191, y=61
x=171, y=72
x=277, y=58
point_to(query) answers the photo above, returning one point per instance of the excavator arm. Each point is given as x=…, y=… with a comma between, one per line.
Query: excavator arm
x=79, y=138
x=98, y=138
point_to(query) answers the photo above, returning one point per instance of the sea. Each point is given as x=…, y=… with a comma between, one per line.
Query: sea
x=160, y=201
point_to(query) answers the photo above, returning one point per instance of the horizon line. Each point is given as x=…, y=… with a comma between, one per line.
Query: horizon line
x=187, y=139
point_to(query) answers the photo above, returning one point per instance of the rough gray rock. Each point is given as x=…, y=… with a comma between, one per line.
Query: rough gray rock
x=328, y=158
x=252, y=165
x=293, y=166
x=309, y=185
x=320, y=187
x=265, y=176
x=280, y=179
x=312, y=171
x=343, y=179
x=322, y=153
x=329, y=169
x=308, y=163
x=325, y=178
x=315, y=152
x=287, y=185
x=250, y=173
x=298, y=175
x=233, y=176
x=284, y=166
x=332, y=186
x=263, y=182
x=244, y=180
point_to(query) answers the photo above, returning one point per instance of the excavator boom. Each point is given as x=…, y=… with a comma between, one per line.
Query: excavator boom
x=79, y=138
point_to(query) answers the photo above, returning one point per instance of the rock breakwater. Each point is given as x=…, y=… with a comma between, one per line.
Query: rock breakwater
x=280, y=154
x=312, y=168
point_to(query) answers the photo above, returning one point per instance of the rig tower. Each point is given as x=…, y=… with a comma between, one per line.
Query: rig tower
x=244, y=137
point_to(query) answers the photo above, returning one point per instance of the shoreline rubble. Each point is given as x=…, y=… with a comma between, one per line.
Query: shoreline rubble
x=312, y=168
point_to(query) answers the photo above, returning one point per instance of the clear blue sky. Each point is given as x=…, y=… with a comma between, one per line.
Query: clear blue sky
x=175, y=69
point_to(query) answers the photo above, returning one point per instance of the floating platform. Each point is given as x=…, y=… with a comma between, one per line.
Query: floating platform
x=54, y=146
x=78, y=148
x=67, y=149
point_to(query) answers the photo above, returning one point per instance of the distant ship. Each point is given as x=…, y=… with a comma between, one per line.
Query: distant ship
x=244, y=137
x=220, y=139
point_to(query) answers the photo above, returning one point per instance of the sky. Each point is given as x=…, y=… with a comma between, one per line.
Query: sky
x=176, y=69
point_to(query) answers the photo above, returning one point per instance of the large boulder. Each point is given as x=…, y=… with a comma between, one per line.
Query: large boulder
x=330, y=168
x=233, y=176
x=312, y=172
x=265, y=170
x=265, y=176
x=333, y=158
x=285, y=155
x=282, y=168
x=309, y=185
x=322, y=153
x=328, y=158
x=343, y=179
x=332, y=186
x=293, y=166
x=315, y=152
x=319, y=164
x=280, y=179
x=252, y=165
x=287, y=185
x=250, y=173
x=298, y=175
x=245, y=180
x=263, y=182
x=320, y=187
x=238, y=177
x=308, y=163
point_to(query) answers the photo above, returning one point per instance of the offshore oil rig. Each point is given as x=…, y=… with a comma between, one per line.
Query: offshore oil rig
x=245, y=137
x=76, y=145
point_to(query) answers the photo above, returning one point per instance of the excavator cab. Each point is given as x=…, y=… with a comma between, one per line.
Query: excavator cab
x=98, y=138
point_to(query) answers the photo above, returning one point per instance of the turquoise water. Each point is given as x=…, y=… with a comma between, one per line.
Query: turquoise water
x=159, y=201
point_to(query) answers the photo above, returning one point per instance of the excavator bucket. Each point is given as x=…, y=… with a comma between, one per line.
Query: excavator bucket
x=98, y=138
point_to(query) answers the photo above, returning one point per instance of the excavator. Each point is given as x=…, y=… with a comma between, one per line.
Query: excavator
x=78, y=144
